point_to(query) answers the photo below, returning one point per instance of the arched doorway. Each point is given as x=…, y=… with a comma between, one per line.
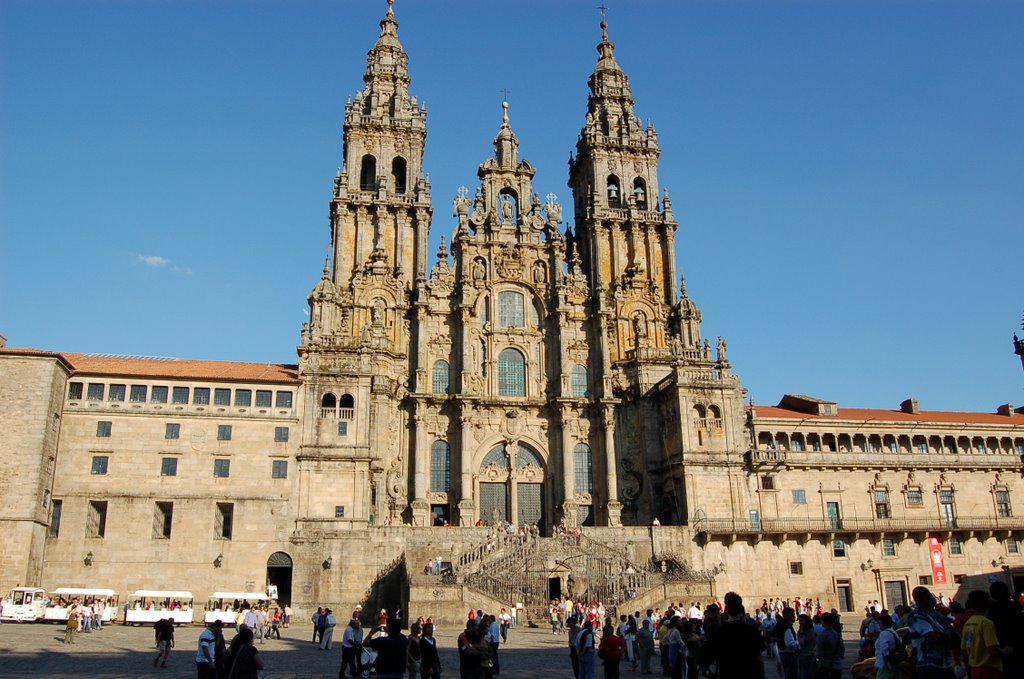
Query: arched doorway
x=279, y=575
x=512, y=486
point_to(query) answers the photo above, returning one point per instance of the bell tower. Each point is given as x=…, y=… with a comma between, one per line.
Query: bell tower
x=625, y=236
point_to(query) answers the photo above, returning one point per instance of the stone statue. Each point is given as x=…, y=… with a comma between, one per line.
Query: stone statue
x=707, y=348
x=479, y=272
x=377, y=313
x=507, y=211
x=539, y=272
x=721, y=350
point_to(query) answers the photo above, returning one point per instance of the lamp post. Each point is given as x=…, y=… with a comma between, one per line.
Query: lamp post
x=1018, y=345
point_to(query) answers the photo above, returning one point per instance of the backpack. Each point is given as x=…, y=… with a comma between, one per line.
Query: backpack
x=898, y=655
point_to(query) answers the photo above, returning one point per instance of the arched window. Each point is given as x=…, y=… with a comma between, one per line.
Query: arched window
x=440, y=467
x=583, y=460
x=496, y=457
x=398, y=174
x=368, y=173
x=640, y=193
x=511, y=309
x=614, y=191
x=526, y=457
x=329, y=401
x=511, y=373
x=346, y=407
x=579, y=382
x=439, y=383
x=699, y=412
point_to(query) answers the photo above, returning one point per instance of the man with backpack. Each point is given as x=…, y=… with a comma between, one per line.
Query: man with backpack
x=931, y=635
x=889, y=650
x=829, y=649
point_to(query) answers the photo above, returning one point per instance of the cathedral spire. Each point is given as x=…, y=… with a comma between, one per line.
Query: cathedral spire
x=387, y=65
x=506, y=144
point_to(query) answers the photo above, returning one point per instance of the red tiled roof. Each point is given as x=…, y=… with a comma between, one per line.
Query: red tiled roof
x=174, y=368
x=14, y=351
x=881, y=415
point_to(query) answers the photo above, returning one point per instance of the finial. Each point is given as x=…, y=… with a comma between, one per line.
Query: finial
x=504, y=114
x=327, y=266
x=442, y=251
x=604, y=22
x=682, y=286
x=391, y=9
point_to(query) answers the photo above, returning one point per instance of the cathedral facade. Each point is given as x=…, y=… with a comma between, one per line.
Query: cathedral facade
x=545, y=367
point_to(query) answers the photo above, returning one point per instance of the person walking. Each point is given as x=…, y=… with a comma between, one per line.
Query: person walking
x=829, y=649
x=392, y=651
x=414, y=651
x=244, y=660
x=315, y=618
x=585, y=650
x=164, y=631
x=205, y=654
x=737, y=645
x=351, y=645
x=327, y=634
x=610, y=651
x=645, y=646
x=931, y=635
x=430, y=660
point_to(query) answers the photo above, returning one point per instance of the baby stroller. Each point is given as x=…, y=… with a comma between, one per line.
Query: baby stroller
x=367, y=662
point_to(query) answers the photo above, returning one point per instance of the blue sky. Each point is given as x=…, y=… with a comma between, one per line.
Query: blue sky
x=849, y=176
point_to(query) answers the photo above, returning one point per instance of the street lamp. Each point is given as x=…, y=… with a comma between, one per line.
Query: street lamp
x=1018, y=345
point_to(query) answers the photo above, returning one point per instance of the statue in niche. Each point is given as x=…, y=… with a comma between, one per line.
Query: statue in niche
x=540, y=273
x=507, y=209
x=377, y=313
x=479, y=272
x=707, y=348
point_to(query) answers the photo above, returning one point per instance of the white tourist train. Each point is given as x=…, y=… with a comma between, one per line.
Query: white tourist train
x=147, y=606
x=23, y=604
x=61, y=598
x=224, y=606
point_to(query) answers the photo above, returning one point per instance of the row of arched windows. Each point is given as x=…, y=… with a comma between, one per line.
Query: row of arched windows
x=617, y=199
x=368, y=174
x=342, y=408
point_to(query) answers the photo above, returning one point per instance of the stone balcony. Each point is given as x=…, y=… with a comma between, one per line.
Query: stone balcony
x=853, y=528
x=876, y=460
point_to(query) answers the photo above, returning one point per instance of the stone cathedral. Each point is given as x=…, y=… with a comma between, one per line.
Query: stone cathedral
x=545, y=367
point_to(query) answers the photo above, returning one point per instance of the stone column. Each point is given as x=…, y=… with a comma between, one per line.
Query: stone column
x=611, y=476
x=569, y=504
x=467, y=504
x=670, y=249
x=421, y=463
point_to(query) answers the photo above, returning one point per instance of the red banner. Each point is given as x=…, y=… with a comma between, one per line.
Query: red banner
x=938, y=563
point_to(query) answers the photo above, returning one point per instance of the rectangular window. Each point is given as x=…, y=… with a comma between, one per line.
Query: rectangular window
x=981, y=448
x=96, y=519
x=922, y=448
x=116, y=392
x=796, y=567
x=75, y=391
x=882, y=509
x=915, y=498
x=767, y=482
x=201, y=396
x=222, y=468
x=284, y=399
x=138, y=393
x=56, y=507
x=339, y=511
x=243, y=397
x=956, y=547
x=1003, y=503
x=172, y=430
x=95, y=392
x=342, y=428
x=158, y=395
x=163, y=515
x=103, y=429
x=221, y=397
x=179, y=395
x=799, y=496
x=888, y=547
x=223, y=432
x=958, y=578
x=816, y=445
x=99, y=464
x=224, y=520
x=839, y=548
x=894, y=448
x=279, y=469
x=796, y=444
x=924, y=580
x=1012, y=546
x=264, y=398
x=169, y=466
x=280, y=434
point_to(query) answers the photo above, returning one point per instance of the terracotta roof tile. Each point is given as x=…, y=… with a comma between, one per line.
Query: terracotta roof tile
x=171, y=368
x=882, y=415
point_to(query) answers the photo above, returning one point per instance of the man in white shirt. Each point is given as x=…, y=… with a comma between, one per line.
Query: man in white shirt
x=695, y=613
x=504, y=622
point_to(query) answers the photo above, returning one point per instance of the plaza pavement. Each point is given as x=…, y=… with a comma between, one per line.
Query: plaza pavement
x=35, y=650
